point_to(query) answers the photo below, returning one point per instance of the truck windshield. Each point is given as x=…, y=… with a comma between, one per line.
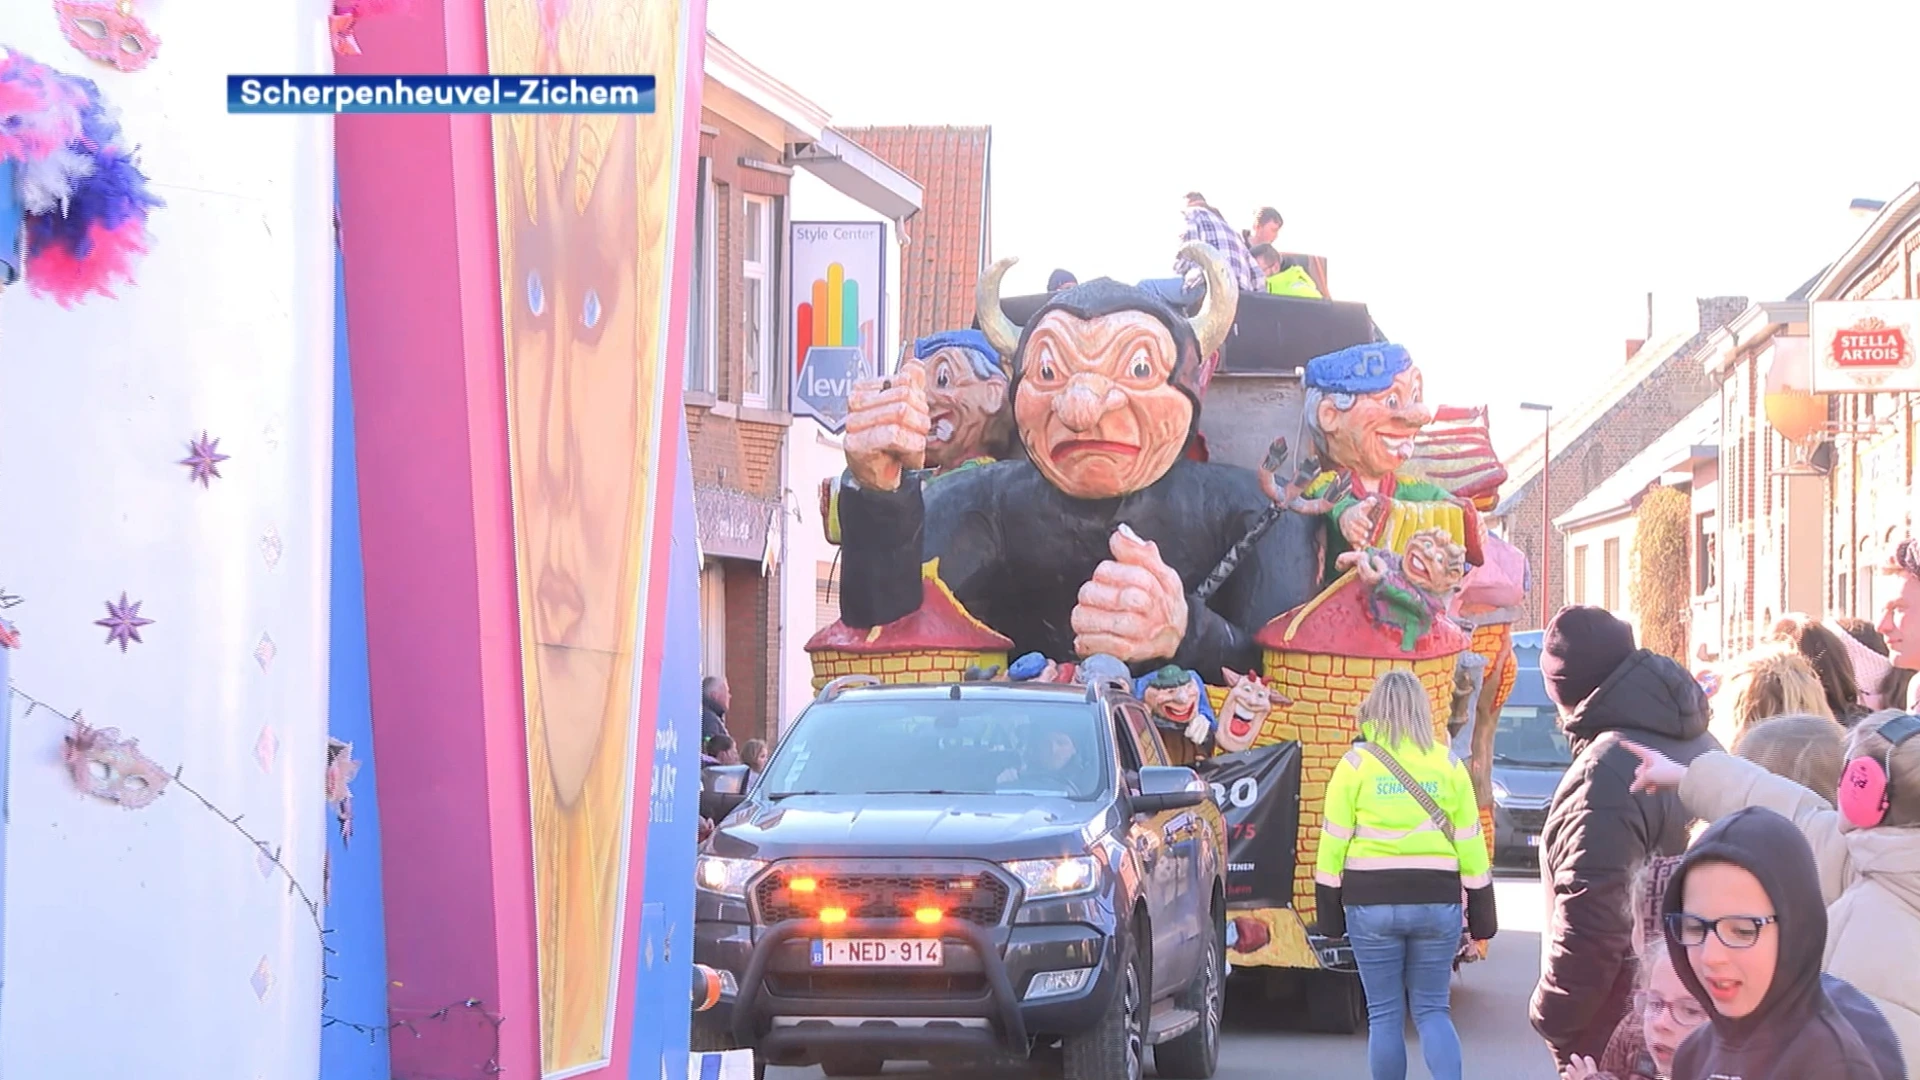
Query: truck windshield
x=1531, y=735
x=965, y=747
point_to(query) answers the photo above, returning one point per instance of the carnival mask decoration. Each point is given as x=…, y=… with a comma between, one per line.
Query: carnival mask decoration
x=111, y=768
x=1106, y=376
x=108, y=33
x=1172, y=695
x=966, y=399
x=1250, y=700
x=1366, y=404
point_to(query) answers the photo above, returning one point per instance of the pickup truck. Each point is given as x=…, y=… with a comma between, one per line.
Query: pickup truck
x=968, y=872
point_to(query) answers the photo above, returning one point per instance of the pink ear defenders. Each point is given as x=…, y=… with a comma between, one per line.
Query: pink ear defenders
x=1866, y=787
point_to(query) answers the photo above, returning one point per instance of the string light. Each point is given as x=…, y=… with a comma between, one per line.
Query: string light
x=313, y=907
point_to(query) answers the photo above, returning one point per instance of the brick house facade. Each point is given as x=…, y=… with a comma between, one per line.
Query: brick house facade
x=1662, y=382
x=737, y=414
x=1806, y=527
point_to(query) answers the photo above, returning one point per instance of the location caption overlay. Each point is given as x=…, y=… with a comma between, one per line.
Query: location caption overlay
x=338, y=94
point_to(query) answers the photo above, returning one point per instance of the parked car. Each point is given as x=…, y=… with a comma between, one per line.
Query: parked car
x=968, y=872
x=1530, y=755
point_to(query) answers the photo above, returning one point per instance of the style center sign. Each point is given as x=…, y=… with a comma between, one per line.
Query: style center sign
x=1865, y=346
x=837, y=313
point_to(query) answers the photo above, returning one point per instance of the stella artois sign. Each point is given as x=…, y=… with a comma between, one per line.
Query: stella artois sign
x=1865, y=346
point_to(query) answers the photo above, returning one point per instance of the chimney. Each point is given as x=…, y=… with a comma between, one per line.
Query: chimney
x=1718, y=311
x=1634, y=346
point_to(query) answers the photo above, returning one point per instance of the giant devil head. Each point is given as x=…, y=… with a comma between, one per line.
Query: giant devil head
x=1106, y=377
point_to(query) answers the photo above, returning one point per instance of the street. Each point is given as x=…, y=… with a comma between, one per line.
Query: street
x=1489, y=1008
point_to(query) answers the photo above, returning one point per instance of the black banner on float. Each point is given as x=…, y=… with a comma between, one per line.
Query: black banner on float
x=1258, y=792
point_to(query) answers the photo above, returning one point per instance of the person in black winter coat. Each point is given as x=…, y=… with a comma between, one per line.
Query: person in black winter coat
x=1746, y=927
x=1598, y=832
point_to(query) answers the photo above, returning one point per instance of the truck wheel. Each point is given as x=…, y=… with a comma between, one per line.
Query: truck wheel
x=708, y=1040
x=853, y=1065
x=1115, y=1048
x=1336, y=1002
x=1195, y=1055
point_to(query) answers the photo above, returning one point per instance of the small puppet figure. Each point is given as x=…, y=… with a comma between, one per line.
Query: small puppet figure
x=1177, y=700
x=1409, y=592
x=1250, y=700
x=1033, y=668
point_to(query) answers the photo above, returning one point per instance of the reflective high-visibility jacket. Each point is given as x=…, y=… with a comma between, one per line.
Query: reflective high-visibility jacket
x=1378, y=846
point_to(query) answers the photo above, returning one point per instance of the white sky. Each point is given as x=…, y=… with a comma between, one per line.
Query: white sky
x=1501, y=182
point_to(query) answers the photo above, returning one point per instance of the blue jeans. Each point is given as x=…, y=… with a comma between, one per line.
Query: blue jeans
x=1405, y=951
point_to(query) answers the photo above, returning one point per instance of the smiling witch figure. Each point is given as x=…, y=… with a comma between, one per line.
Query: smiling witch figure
x=1746, y=927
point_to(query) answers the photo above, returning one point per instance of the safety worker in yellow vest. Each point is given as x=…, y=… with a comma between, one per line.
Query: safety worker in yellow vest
x=1400, y=841
x=1284, y=276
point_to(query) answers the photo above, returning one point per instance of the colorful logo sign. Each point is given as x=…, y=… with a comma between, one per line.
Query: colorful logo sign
x=1865, y=346
x=838, y=313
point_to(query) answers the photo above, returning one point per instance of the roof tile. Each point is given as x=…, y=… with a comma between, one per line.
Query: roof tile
x=946, y=252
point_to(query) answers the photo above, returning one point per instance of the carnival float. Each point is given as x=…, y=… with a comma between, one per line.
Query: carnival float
x=1040, y=492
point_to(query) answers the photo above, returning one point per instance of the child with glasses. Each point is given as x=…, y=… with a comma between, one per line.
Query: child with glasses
x=1663, y=1013
x=1746, y=926
x=1867, y=857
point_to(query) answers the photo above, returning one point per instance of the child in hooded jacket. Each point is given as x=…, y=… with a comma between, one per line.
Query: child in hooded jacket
x=1745, y=927
x=1869, y=877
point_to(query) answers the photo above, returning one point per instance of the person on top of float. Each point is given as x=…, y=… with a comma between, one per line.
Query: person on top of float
x=1088, y=545
x=1364, y=406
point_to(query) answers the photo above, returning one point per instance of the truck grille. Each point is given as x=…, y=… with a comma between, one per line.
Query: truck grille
x=1528, y=821
x=980, y=899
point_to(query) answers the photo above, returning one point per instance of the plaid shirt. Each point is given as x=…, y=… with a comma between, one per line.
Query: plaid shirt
x=1205, y=224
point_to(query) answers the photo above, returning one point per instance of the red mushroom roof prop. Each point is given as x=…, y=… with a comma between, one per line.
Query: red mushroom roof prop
x=1340, y=622
x=939, y=624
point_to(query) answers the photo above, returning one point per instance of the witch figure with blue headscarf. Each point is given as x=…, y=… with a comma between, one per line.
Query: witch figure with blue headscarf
x=969, y=419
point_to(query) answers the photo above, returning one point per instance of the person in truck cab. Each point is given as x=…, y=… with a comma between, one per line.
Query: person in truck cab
x=1051, y=761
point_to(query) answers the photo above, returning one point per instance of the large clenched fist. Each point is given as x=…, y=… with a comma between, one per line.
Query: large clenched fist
x=887, y=427
x=1135, y=606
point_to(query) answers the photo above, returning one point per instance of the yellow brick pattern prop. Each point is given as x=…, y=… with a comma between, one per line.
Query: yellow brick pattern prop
x=1495, y=643
x=914, y=667
x=1326, y=692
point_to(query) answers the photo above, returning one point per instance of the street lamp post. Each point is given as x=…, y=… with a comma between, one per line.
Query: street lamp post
x=1546, y=504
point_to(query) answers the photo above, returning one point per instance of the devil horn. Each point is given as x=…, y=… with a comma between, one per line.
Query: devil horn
x=1001, y=333
x=1223, y=298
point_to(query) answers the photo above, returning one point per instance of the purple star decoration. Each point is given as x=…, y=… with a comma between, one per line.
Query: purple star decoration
x=204, y=458
x=123, y=622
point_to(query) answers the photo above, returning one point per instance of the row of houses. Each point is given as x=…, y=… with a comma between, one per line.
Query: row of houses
x=1797, y=498
x=771, y=162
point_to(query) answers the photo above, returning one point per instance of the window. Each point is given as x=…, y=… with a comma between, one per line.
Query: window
x=963, y=746
x=701, y=376
x=1706, y=553
x=1610, y=575
x=758, y=332
x=1146, y=742
x=1580, y=574
x=713, y=619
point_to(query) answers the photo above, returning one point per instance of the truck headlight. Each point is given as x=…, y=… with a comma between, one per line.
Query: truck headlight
x=727, y=877
x=1500, y=792
x=1047, y=878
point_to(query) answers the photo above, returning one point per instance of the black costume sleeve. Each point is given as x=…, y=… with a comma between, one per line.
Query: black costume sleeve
x=1276, y=576
x=886, y=536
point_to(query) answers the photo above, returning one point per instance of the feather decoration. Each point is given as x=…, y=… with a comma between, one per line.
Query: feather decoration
x=87, y=200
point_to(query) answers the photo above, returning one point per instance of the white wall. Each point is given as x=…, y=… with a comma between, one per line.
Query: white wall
x=811, y=459
x=132, y=937
x=1594, y=538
